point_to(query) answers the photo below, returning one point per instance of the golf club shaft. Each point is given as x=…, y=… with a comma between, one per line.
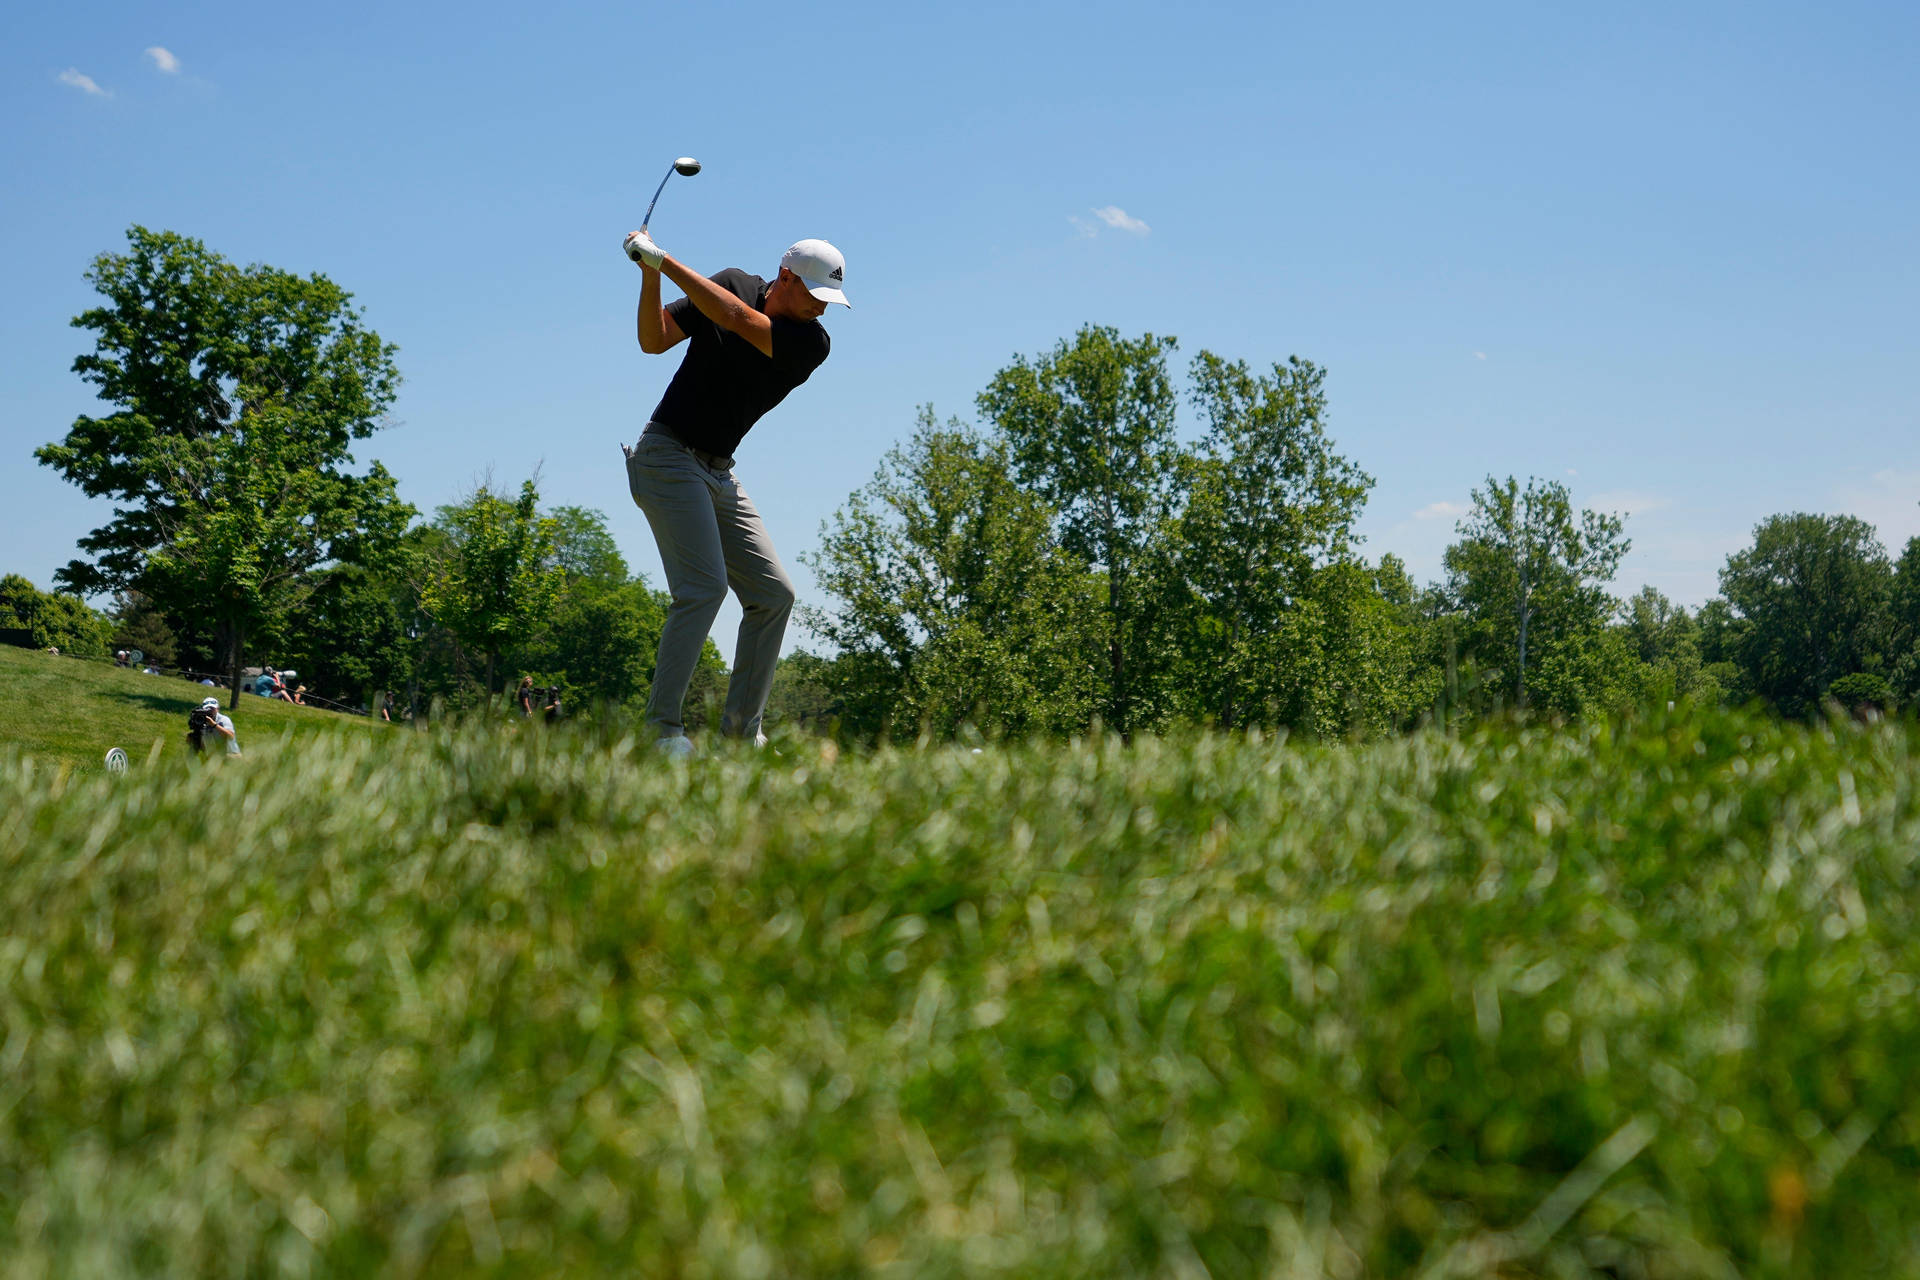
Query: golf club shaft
x=656, y=199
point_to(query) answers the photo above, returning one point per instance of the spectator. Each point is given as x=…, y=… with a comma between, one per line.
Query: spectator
x=525, y=696
x=207, y=719
x=208, y=681
x=386, y=706
x=553, y=704
x=300, y=696
x=120, y=658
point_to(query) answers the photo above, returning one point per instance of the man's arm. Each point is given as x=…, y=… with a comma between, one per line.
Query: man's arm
x=658, y=330
x=715, y=303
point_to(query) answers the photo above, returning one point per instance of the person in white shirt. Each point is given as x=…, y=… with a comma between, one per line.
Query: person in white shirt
x=210, y=719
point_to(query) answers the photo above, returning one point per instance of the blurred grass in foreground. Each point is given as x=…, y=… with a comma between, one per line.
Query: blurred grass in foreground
x=1629, y=1002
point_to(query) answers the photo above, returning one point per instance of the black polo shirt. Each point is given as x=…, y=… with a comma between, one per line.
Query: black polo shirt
x=724, y=384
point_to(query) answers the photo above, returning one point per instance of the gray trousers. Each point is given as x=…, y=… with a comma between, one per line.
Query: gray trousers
x=710, y=538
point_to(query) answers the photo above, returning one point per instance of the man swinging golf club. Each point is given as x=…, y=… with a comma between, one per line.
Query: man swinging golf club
x=750, y=342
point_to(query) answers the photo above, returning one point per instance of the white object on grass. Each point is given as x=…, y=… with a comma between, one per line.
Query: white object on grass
x=116, y=760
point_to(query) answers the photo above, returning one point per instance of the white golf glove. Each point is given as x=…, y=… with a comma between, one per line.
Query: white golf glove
x=641, y=248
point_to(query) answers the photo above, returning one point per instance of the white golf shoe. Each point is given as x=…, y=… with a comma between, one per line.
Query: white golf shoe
x=678, y=747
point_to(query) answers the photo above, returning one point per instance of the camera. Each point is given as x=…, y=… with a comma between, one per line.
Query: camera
x=199, y=720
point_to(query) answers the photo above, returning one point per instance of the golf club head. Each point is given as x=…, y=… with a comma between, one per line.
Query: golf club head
x=686, y=166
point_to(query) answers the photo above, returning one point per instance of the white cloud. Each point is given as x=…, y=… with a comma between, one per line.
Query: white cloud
x=1442, y=511
x=1086, y=229
x=84, y=84
x=1479, y=355
x=164, y=60
x=1120, y=220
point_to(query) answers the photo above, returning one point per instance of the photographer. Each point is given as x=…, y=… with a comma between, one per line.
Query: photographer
x=206, y=718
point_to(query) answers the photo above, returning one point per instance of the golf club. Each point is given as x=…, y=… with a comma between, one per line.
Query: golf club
x=686, y=166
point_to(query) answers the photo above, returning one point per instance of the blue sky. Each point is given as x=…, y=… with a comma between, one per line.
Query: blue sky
x=1664, y=253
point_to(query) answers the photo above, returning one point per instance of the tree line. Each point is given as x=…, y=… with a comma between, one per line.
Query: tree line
x=1070, y=561
x=1067, y=561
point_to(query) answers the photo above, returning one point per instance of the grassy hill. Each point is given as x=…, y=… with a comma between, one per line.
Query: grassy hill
x=73, y=711
x=1605, y=1001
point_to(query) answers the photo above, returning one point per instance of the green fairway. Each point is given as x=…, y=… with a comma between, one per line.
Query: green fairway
x=1583, y=1002
x=73, y=711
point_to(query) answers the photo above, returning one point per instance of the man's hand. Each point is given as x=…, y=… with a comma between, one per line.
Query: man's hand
x=641, y=248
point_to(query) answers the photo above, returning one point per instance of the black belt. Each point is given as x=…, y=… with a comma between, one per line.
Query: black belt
x=712, y=461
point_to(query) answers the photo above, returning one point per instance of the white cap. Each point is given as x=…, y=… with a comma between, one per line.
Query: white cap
x=821, y=267
x=210, y=704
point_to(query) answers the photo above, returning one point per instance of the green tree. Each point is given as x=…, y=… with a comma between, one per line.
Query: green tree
x=1090, y=428
x=1903, y=634
x=354, y=636
x=584, y=549
x=137, y=624
x=237, y=396
x=1664, y=639
x=1270, y=514
x=495, y=580
x=1861, y=692
x=1530, y=575
x=1370, y=675
x=803, y=695
x=956, y=604
x=55, y=619
x=1814, y=594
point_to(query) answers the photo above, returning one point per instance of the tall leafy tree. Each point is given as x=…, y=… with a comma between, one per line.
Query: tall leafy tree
x=1813, y=593
x=1271, y=505
x=1531, y=574
x=495, y=580
x=584, y=549
x=1903, y=637
x=237, y=394
x=1090, y=428
x=956, y=604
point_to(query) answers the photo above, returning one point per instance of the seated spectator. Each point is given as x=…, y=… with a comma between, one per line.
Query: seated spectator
x=120, y=658
x=300, y=696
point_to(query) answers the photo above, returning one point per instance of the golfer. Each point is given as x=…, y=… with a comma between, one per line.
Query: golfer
x=749, y=342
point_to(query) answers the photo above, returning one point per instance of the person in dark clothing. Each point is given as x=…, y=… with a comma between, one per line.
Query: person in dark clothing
x=750, y=342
